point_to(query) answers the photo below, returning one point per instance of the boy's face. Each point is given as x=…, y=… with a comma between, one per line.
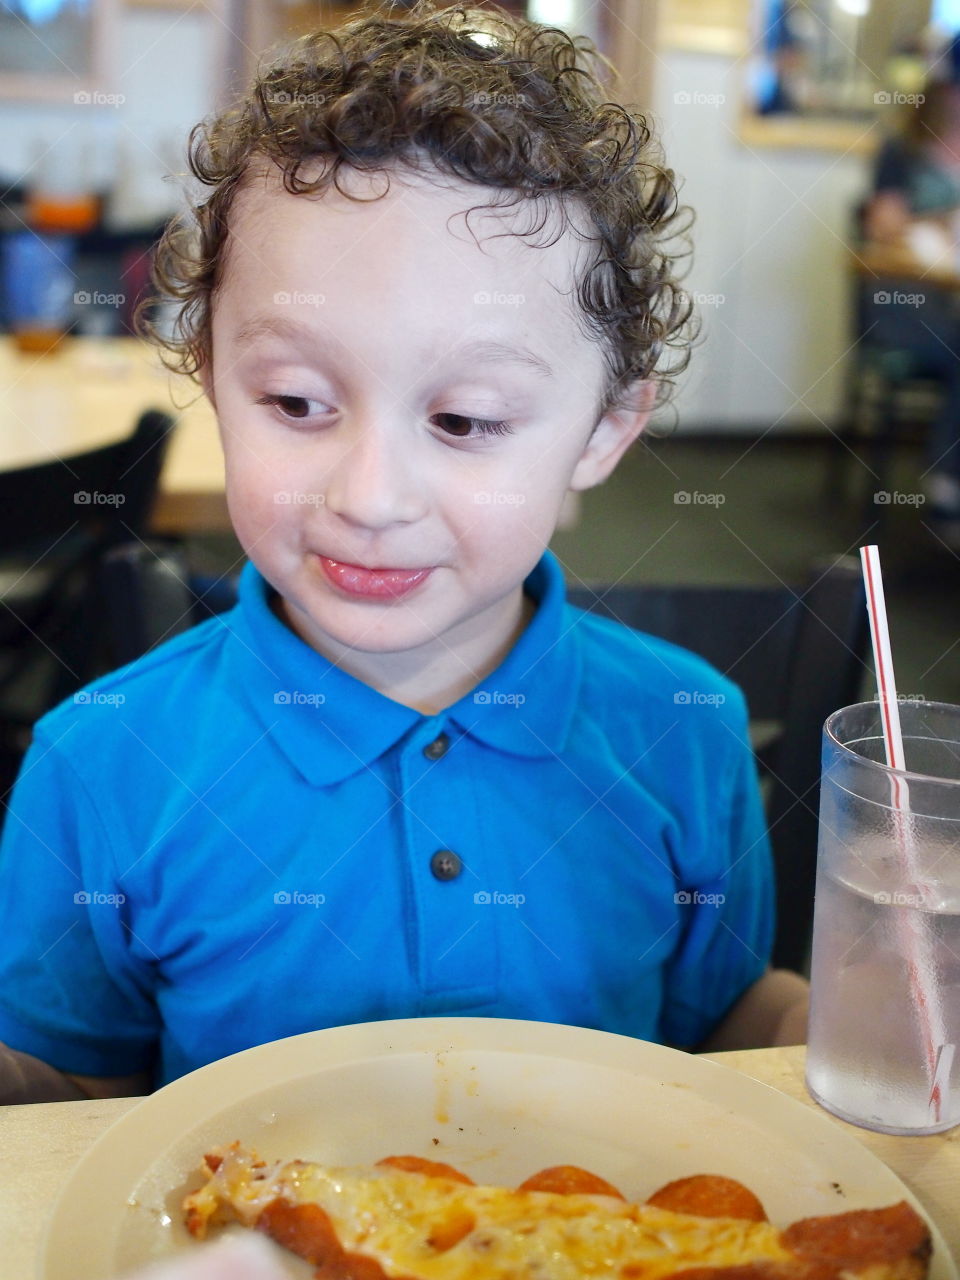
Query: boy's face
x=359, y=477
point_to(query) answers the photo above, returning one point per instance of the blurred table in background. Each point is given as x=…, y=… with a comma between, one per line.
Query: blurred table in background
x=898, y=262
x=89, y=392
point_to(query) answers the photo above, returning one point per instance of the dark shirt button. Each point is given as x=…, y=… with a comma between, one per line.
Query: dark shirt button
x=445, y=864
x=437, y=748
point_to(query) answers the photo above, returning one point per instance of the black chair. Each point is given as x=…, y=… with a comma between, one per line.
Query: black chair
x=56, y=521
x=797, y=656
x=890, y=395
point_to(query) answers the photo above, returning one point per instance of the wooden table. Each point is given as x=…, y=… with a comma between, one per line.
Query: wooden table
x=882, y=262
x=42, y=1144
x=89, y=392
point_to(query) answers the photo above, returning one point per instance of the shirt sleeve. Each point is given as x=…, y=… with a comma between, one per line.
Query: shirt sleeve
x=729, y=920
x=69, y=992
x=891, y=171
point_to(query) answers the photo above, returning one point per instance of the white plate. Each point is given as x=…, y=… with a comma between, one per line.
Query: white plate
x=497, y=1098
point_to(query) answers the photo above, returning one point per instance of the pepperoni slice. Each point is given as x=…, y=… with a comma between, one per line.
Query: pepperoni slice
x=710, y=1196
x=429, y=1168
x=569, y=1180
x=861, y=1236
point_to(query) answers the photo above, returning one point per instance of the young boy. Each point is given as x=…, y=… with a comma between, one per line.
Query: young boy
x=402, y=777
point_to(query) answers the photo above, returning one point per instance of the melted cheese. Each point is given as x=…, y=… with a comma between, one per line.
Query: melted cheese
x=437, y=1229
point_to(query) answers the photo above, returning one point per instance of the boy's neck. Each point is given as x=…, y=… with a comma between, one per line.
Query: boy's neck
x=428, y=686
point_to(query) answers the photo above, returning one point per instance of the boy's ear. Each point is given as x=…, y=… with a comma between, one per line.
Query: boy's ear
x=613, y=435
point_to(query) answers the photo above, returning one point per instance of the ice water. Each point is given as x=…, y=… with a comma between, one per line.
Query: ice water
x=866, y=1056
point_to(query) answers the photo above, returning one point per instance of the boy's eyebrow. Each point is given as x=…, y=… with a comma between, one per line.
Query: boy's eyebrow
x=480, y=349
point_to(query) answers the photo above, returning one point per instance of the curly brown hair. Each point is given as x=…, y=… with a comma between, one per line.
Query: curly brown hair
x=491, y=99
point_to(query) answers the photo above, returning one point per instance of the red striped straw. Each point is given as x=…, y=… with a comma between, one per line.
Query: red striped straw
x=917, y=947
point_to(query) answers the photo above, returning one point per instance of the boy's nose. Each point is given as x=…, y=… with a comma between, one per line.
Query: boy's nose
x=372, y=483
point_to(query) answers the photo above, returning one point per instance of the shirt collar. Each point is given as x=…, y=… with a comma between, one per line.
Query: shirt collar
x=330, y=724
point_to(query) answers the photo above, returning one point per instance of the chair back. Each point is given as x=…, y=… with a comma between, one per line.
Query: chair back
x=56, y=520
x=797, y=655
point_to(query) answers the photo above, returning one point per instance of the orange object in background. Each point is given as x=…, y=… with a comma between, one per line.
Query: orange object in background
x=35, y=341
x=71, y=213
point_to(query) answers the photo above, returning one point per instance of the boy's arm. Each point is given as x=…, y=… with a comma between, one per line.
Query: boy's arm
x=773, y=1011
x=24, y=1078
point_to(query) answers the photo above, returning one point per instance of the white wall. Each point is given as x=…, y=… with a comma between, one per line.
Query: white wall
x=166, y=66
x=769, y=241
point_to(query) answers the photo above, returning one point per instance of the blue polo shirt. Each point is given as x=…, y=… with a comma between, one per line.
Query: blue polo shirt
x=231, y=840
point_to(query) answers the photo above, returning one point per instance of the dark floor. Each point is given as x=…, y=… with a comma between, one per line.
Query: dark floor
x=777, y=516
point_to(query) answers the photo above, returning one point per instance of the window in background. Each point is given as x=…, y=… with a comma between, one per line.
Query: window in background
x=54, y=48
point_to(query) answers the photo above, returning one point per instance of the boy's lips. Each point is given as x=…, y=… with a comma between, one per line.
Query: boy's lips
x=358, y=580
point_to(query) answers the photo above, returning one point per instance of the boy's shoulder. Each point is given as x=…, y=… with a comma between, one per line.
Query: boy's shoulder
x=153, y=680
x=627, y=665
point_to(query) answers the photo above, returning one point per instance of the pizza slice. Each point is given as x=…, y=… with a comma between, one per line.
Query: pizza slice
x=411, y=1219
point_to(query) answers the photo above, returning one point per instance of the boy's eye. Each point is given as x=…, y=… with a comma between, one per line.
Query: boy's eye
x=290, y=406
x=461, y=426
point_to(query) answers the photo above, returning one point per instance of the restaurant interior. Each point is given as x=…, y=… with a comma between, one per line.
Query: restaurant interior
x=818, y=144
